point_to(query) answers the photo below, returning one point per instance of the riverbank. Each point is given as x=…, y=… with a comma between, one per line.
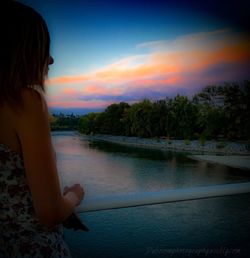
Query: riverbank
x=242, y=162
x=209, y=147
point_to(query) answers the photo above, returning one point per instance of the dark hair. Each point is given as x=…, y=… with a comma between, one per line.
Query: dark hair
x=24, y=50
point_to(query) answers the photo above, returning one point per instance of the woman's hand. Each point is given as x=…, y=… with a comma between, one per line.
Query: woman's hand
x=77, y=190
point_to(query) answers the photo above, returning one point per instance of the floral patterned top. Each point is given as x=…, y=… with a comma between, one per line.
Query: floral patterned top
x=21, y=235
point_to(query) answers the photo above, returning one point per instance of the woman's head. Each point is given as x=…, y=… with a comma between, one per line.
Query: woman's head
x=24, y=49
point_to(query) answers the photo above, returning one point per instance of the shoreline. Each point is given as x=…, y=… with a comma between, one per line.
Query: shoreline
x=233, y=154
x=241, y=162
x=193, y=147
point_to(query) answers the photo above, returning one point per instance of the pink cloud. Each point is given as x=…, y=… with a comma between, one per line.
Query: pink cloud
x=80, y=104
x=186, y=62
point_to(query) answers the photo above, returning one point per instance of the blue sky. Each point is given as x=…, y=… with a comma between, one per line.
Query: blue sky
x=95, y=44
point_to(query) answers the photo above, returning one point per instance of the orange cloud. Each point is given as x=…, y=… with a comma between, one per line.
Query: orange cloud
x=161, y=63
x=69, y=91
x=67, y=79
x=80, y=104
x=92, y=89
x=167, y=64
x=197, y=61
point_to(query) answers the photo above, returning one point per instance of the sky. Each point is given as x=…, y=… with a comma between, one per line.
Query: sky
x=111, y=51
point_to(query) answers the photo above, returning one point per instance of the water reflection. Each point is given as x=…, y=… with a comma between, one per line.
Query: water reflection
x=105, y=168
x=167, y=169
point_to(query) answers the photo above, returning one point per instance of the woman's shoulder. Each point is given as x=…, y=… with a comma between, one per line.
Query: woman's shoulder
x=15, y=116
x=32, y=94
x=32, y=101
x=32, y=108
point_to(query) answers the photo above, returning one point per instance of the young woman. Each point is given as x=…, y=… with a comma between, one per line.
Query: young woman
x=32, y=207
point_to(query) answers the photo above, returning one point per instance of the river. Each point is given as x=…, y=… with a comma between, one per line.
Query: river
x=216, y=227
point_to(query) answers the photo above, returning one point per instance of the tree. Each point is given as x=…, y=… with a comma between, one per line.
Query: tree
x=138, y=115
x=112, y=121
x=182, y=117
x=237, y=107
x=64, y=122
x=215, y=111
x=87, y=123
x=211, y=121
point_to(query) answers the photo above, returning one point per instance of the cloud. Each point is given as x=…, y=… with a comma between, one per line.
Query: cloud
x=67, y=79
x=79, y=104
x=181, y=65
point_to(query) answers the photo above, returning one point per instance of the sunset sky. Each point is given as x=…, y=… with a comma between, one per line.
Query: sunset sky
x=111, y=51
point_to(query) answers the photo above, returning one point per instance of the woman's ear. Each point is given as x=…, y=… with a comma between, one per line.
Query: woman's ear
x=51, y=60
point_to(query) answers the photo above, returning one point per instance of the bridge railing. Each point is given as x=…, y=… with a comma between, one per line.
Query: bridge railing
x=166, y=196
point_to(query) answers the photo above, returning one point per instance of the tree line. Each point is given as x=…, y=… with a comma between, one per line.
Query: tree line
x=64, y=122
x=216, y=112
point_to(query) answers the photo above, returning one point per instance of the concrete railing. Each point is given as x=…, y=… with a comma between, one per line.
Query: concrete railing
x=149, y=198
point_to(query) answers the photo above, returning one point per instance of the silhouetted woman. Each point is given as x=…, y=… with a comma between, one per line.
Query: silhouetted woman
x=32, y=207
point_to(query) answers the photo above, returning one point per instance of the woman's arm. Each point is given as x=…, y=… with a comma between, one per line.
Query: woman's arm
x=40, y=166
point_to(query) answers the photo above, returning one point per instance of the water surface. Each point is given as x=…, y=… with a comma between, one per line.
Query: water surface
x=186, y=229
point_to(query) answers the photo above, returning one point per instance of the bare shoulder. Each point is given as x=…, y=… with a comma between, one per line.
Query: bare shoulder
x=33, y=106
x=33, y=113
x=32, y=101
x=25, y=119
